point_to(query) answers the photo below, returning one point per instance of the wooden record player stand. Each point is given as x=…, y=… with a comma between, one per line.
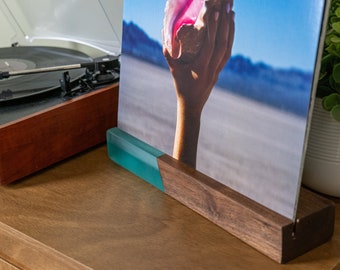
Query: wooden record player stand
x=44, y=138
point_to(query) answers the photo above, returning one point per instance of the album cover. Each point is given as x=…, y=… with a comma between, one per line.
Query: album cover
x=225, y=87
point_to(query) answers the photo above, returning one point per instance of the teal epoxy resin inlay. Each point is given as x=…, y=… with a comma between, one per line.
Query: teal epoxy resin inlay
x=135, y=156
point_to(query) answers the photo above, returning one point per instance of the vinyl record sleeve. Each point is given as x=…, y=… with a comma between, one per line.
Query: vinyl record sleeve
x=254, y=123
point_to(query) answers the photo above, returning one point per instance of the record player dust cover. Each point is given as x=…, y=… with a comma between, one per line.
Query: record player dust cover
x=224, y=86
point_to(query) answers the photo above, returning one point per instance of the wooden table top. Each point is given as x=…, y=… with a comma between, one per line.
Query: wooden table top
x=92, y=211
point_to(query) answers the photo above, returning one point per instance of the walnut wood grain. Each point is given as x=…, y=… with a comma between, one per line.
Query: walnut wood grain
x=41, y=139
x=315, y=221
x=23, y=252
x=272, y=234
x=7, y=266
x=94, y=211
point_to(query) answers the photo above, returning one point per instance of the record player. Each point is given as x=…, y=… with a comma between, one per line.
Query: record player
x=59, y=73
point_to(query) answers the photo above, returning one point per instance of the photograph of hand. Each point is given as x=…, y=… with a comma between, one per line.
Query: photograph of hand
x=224, y=86
x=195, y=77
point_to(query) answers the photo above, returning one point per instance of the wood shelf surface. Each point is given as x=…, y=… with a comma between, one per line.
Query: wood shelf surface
x=97, y=213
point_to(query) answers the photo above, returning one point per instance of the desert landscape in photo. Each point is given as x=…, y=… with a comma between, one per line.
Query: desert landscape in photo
x=246, y=145
x=254, y=124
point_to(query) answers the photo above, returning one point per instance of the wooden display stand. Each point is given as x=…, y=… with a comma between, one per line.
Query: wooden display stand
x=272, y=234
x=44, y=138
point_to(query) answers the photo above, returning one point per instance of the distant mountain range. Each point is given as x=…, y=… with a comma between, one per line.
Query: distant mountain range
x=287, y=89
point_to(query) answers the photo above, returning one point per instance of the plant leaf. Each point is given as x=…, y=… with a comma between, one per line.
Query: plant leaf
x=336, y=73
x=331, y=101
x=336, y=112
x=327, y=59
x=337, y=12
x=336, y=27
x=335, y=39
x=334, y=49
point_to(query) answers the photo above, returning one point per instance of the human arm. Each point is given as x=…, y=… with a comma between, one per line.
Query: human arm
x=194, y=80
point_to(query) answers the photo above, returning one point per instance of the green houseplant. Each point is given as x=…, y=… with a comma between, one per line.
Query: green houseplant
x=322, y=160
x=329, y=78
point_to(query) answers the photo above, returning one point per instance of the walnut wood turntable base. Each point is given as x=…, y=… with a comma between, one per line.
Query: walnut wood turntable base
x=44, y=138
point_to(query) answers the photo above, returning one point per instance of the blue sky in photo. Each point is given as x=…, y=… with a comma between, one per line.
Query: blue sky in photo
x=281, y=33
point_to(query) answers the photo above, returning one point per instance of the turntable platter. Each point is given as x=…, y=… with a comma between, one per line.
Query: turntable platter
x=22, y=58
